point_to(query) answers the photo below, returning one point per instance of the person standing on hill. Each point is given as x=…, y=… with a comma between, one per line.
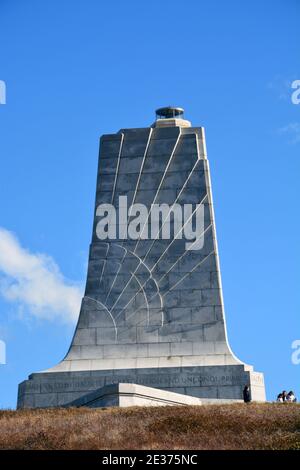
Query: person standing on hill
x=247, y=394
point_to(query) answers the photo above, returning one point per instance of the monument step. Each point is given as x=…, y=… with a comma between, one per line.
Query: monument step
x=125, y=394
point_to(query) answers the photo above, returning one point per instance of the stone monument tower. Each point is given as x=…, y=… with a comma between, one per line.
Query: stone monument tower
x=152, y=313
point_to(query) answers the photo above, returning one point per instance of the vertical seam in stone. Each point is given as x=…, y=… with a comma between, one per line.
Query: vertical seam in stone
x=117, y=168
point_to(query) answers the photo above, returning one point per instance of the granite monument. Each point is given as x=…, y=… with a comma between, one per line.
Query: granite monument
x=152, y=313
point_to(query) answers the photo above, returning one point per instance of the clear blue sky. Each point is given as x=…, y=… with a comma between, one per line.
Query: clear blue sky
x=77, y=69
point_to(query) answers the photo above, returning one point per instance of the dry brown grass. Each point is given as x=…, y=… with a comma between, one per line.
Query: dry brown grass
x=238, y=426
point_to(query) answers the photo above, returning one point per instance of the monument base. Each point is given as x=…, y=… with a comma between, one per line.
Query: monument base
x=54, y=389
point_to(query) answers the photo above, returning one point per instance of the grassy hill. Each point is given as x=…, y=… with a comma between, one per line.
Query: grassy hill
x=238, y=426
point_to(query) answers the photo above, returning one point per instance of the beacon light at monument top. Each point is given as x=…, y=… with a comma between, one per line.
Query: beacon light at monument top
x=151, y=328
